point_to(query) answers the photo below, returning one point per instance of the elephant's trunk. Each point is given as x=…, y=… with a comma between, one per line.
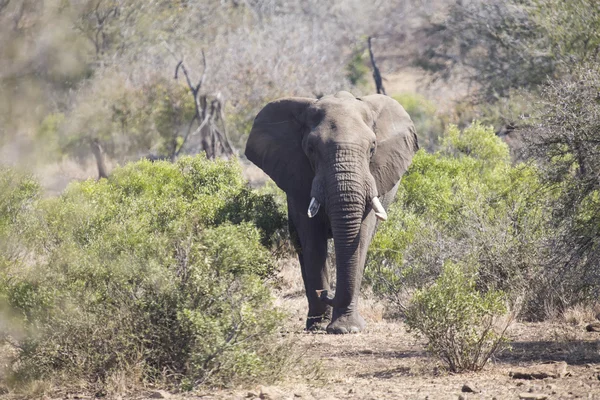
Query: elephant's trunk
x=346, y=202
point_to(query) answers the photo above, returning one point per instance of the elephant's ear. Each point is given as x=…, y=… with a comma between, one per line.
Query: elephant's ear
x=275, y=144
x=396, y=141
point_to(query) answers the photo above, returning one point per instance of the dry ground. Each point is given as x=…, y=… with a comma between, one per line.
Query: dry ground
x=387, y=362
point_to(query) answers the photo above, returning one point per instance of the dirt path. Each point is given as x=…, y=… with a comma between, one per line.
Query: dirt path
x=386, y=362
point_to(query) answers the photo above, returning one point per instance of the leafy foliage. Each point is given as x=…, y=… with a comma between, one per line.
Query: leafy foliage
x=497, y=43
x=465, y=204
x=125, y=119
x=423, y=113
x=17, y=192
x=572, y=29
x=145, y=273
x=80, y=58
x=357, y=71
x=462, y=325
x=565, y=142
x=514, y=44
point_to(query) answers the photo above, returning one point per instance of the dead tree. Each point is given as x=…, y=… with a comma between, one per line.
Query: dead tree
x=209, y=118
x=99, y=155
x=376, y=73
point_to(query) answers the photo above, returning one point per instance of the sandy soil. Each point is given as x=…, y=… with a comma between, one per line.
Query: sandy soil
x=387, y=362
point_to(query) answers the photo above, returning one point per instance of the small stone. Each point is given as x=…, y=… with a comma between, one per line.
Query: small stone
x=461, y=397
x=532, y=396
x=251, y=395
x=469, y=388
x=593, y=327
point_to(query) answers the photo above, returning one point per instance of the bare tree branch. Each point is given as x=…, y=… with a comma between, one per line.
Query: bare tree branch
x=214, y=140
x=376, y=73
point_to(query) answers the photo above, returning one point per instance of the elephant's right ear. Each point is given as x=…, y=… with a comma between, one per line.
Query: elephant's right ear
x=275, y=144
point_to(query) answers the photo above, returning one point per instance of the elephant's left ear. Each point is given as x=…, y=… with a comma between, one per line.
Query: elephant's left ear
x=396, y=141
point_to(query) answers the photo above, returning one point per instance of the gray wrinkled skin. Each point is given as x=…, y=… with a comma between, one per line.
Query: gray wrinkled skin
x=343, y=152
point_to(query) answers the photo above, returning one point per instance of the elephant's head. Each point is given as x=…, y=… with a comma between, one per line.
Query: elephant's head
x=337, y=154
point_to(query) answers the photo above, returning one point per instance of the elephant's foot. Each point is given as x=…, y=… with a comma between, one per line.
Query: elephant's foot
x=315, y=323
x=346, y=322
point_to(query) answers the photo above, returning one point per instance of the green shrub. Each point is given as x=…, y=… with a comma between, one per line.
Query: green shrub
x=423, y=113
x=147, y=273
x=463, y=326
x=565, y=142
x=467, y=204
x=357, y=71
x=18, y=192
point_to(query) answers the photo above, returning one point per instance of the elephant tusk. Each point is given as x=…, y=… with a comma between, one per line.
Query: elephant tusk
x=379, y=210
x=313, y=208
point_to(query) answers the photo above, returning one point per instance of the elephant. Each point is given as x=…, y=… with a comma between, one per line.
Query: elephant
x=343, y=155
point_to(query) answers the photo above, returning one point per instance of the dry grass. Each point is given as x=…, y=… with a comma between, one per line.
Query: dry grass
x=580, y=314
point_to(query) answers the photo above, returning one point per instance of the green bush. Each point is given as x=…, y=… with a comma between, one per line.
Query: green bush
x=565, y=141
x=17, y=192
x=357, y=71
x=502, y=45
x=423, y=113
x=464, y=327
x=146, y=273
x=466, y=204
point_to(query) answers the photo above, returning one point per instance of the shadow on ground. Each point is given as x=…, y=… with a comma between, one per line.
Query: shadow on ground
x=388, y=373
x=575, y=352
x=383, y=354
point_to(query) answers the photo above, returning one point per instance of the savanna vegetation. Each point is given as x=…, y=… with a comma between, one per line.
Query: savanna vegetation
x=160, y=272
x=154, y=273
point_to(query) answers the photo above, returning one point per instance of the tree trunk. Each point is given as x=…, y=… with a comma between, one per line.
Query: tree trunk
x=376, y=73
x=99, y=155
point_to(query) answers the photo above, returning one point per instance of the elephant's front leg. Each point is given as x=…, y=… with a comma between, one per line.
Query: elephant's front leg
x=348, y=320
x=310, y=240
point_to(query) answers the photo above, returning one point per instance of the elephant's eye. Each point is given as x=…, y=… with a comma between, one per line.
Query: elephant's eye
x=372, y=149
